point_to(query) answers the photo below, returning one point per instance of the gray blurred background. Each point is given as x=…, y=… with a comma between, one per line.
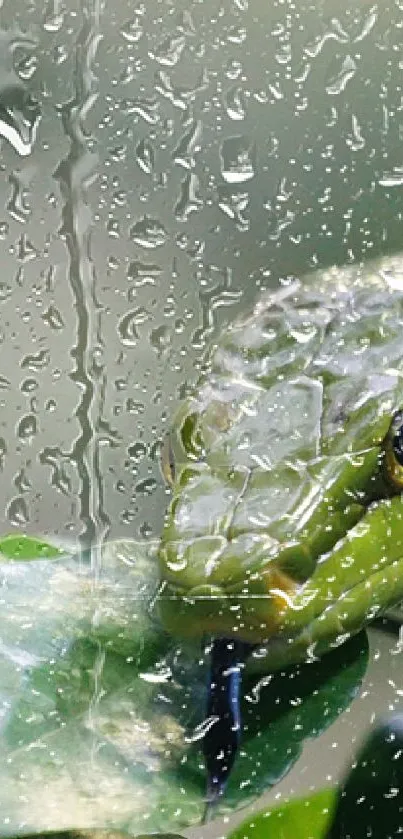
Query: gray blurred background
x=160, y=163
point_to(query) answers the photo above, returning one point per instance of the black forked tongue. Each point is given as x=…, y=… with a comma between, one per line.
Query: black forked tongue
x=223, y=734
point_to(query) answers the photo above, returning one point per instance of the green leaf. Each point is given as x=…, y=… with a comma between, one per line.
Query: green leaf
x=292, y=705
x=26, y=547
x=102, y=711
x=301, y=818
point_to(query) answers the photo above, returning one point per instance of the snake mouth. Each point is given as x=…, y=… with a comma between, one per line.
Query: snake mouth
x=241, y=560
x=256, y=590
x=251, y=611
x=358, y=579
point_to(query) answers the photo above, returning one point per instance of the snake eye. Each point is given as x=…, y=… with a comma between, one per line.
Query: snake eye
x=394, y=451
x=191, y=438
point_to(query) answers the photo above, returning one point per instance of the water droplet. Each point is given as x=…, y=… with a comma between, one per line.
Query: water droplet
x=145, y=156
x=53, y=318
x=393, y=178
x=181, y=97
x=17, y=511
x=54, y=16
x=137, y=451
x=132, y=30
x=356, y=141
x=28, y=386
x=27, y=427
x=339, y=82
x=26, y=67
x=5, y=291
x=148, y=233
x=367, y=25
x=36, y=361
x=3, y=452
x=160, y=339
x=233, y=69
x=143, y=273
x=189, y=145
x=169, y=51
x=189, y=200
x=21, y=482
x=127, y=326
x=26, y=251
x=338, y=34
x=233, y=204
x=185, y=23
x=237, y=159
x=148, y=109
x=234, y=103
x=146, y=487
x=133, y=407
x=19, y=119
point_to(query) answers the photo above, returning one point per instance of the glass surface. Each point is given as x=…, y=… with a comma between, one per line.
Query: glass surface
x=160, y=164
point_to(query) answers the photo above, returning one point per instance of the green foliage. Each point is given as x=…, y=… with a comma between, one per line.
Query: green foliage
x=26, y=547
x=301, y=818
x=103, y=711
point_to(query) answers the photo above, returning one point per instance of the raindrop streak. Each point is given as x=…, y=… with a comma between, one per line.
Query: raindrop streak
x=75, y=173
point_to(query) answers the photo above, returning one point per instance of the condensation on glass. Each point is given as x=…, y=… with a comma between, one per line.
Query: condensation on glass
x=160, y=163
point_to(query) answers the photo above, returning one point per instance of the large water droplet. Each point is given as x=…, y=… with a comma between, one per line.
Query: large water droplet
x=17, y=511
x=148, y=233
x=19, y=119
x=27, y=427
x=237, y=159
x=37, y=361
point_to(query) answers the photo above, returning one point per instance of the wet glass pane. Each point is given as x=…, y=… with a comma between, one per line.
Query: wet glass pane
x=161, y=165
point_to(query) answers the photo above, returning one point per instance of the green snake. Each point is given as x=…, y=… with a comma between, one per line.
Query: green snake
x=284, y=534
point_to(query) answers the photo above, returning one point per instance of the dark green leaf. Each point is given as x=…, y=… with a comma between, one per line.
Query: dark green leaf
x=370, y=801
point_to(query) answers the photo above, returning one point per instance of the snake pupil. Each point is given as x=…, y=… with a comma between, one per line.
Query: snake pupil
x=398, y=445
